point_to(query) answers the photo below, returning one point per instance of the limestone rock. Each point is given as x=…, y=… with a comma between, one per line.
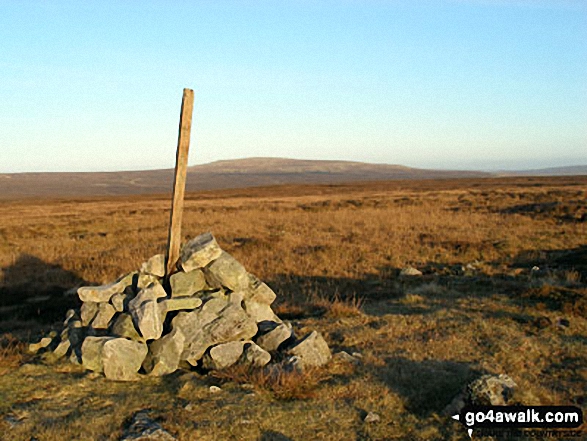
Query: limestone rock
x=260, y=312
x=122, y=359
x=119, y=301
x=372, y=417
x=123, y=326
x=155, y=266
x=163, y=356
x=43, y=343
x=87, y=312
x=102, y=319
x=92, y=353
x=187, y=284
x=105, y=292
x=281, y=332
x=146, y=312
x=491, y=390
x=410, y=272
x=144, y=280
x=259, y=292
x=199, y=252
x=226, y=271
x=312, y=350
x=143, y=428
x=223, y=355
x=254, y=355
x=177, y=304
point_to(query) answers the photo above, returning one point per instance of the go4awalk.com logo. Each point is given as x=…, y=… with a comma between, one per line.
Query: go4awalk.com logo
x=516, y=418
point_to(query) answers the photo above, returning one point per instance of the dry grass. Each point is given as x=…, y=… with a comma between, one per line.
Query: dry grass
x=503, y=291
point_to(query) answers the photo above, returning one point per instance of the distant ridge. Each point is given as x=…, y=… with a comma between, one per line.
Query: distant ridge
x=238, y=173
x=574, y=170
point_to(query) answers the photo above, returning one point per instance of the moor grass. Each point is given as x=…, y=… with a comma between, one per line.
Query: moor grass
x=503, y=290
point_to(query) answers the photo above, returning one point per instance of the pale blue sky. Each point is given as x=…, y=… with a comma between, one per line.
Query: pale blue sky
x=87, y=86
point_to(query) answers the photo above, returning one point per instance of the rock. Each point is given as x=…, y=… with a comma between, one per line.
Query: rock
x=103, y=293
x=123, y=358
x=312, y=350
x=62, y=348
x=199, y=252
x=102, y=319
x=254, y=355
x=223, y=355
x=372, y=417
x=187, y=284
x=259, y=292
x=43, y=343
x=70, y=315
x=123, y=326
x=491, y=390
x=143, y=428
x=163, y=356
x=92, y=353
x=144, y=280
x=410, y=272
x=214, y=389
x=226, y=271
x=87, y=312
x=177, y=304
x=155, y=266
x=231, y=323
x=346, y=357
x=119, y=301
x=271, y=341
x=146, y=313
x=260, y=312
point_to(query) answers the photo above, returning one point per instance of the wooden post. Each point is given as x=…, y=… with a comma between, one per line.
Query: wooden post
x=181, y=163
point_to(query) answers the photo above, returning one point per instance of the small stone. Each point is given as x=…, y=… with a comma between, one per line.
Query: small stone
x=187, y=284
x=372, y=417
x=147, y=315
x=144, y=280
x=122, y=359
x=92, y=353
x=103, y=293
x=43, y=343
x=105, y=313
x=215, y=389
x=260, y=312
x=62, y=348
x=124, y=327
x=155, y=266
x=70, y=315
x=312, y=350
x=177, y=304
x=143, y=428
x=119, y=301
x=163, y=356
x=410, y=272
x=87, y=312
x=226, y=271
x=223, y=355
x=272, y=340
x=199, y=252
x=259, y=292
x=254, y=355
x=346, y=357
x=492, y=390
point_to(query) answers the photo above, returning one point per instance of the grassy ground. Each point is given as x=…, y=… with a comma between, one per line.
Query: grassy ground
x=503, y=291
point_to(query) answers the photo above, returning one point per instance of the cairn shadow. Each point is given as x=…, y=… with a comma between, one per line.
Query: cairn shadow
x=428, y=386
x=270, y=435
x=33, y=289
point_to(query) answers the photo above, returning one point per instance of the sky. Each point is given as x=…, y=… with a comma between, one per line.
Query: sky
x=449, y=84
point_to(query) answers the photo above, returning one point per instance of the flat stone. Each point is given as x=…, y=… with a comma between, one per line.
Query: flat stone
x=92, y=353
x=187, y=284
x=312, y=350
x=124, y=326
x=199, y=252
x=181, y=303
x=62, y=348
x=271, y=341
x=119, y=301
x=103, y=293
x=254, y=355
x=102, y=319
x=155, y=266
x=346, y=357
x=259, y=292
x=87, y=312
x=164, y=354
x=410, y=272
x=372, y=417
x=43, y=343
x=260, y=312
x=143, y=428
x=226, y=271
x=123, y=358
x=223, y=355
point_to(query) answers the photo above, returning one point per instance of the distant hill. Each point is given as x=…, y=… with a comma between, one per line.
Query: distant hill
x=238, y=173
x=575, y=170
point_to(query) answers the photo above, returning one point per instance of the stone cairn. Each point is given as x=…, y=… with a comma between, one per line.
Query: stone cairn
x=211, y=314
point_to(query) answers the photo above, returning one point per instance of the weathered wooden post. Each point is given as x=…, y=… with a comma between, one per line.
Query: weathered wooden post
x=181, y=163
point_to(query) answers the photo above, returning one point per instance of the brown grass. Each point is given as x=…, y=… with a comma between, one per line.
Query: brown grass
x=333, y=254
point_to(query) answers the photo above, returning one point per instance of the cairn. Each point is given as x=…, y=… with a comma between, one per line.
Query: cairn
x=210, y=314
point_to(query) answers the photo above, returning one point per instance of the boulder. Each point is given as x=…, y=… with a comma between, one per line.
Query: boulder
x=312, y=350
x=92, y=353
x=122, y=359
x=147, y=315
x=223, y=355
x=164, y=354
x=155, y=266
x=124, y=326
x=259, y=292
x=227, y=272
x=199, y=252
x=254, y=355
x=272, y=340
x=103, y=293
x=186, y=284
